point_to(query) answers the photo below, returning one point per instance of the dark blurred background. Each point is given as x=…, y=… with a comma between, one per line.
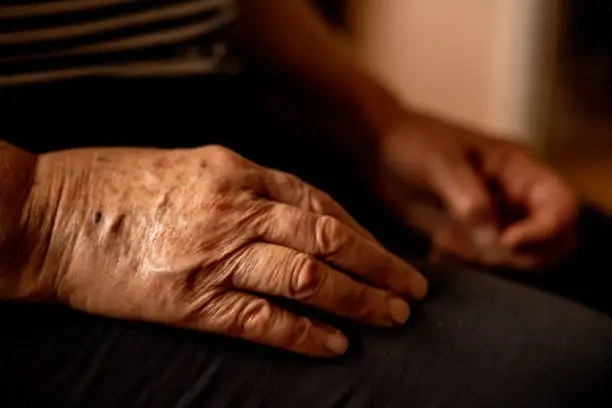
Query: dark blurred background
x=581, y=139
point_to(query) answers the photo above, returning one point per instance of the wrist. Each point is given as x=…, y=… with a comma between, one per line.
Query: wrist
x=372, y=113
x=16, y=179
x=25, y=275
x=378, y=109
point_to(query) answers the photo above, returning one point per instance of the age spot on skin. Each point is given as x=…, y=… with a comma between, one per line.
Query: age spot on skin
x=162, y=163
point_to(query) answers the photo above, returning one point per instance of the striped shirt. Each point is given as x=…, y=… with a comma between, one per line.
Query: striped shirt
x=43, y=41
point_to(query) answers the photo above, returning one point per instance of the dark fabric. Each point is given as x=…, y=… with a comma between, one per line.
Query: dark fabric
x=584, y=276
x=478, y=341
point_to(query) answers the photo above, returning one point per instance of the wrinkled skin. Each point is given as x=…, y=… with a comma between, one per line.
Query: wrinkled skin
x=497, y=206
x=198, y=238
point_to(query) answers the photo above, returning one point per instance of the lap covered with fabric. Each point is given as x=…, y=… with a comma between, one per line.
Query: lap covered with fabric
x=479, y=341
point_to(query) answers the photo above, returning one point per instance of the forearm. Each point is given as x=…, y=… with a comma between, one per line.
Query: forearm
x=291, y=38
x=17, y=168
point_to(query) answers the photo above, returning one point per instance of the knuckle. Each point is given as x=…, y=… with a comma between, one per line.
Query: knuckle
x=255, y=318
x=220, y=152
x=288, y=180
x=330, y=235
x=318, y=201
x=307, y=277
x=309, y=200
x=300, y=191
x=224, y=157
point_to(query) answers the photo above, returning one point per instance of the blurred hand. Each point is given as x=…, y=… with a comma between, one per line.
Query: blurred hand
x=497, y=204
x=201, y=239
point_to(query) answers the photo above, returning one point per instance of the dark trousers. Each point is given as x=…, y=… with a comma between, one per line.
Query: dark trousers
x=480, y=340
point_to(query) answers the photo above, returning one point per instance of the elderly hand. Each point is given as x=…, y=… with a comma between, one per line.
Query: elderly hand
x=496, y=205
x=202, y=239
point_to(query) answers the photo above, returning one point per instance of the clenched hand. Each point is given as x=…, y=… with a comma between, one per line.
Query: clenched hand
x=499, y=205
x=204, y=239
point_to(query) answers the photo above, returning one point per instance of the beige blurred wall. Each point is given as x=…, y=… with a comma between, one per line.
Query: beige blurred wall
x=480, y=62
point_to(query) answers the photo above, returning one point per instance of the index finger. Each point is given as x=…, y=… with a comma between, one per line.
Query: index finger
x=289, y=189
x=550, y=205
x=540, y=226
x=328, y=239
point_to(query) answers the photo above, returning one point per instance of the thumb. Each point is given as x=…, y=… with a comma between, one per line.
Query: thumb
x=462, y=189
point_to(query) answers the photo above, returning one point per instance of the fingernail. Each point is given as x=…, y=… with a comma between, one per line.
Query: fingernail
x=419, y=286
x=399, y=310
x=337, y=343
x=487, y=241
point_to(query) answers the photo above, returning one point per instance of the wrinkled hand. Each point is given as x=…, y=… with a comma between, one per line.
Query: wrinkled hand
x=497, y=205
x=200, y=239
